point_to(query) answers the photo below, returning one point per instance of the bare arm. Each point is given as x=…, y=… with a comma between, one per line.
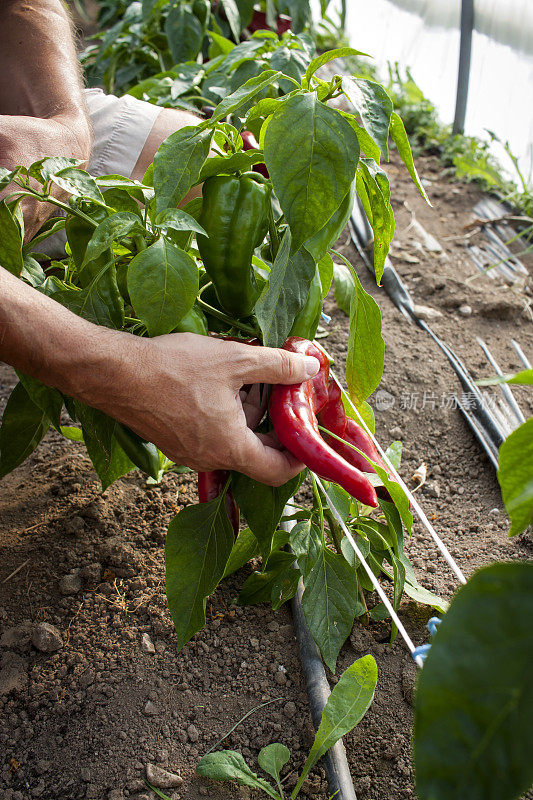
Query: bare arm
x=179, y=391
x=42, y=104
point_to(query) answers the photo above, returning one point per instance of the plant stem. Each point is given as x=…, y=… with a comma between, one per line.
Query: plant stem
x=273, y=233
x=334, y=529
x=320, y=509
x=140, y=244
x=214, y=312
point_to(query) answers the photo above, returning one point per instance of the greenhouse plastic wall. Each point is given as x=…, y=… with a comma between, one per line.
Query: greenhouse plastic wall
x=424, y=35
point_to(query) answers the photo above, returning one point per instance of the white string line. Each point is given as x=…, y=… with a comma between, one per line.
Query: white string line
x=427, y=524
x=387, y=603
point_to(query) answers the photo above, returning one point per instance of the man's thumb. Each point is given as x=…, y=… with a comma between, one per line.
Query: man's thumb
x=271, y=365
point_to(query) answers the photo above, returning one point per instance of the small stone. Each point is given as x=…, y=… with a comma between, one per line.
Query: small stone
x=192, y=733
x=150, y=710
x=74, y=526
x=92, y=573
x=161, y=778
x=115, y=794
x=46, y=638
x=427, y=313
x=396, y=432
x=465, y=310
x=493, y=511
x=70, y=584
x=280, y=678
x=147, y=646
x=432, y=489
x=17, y=638
x=289, y=709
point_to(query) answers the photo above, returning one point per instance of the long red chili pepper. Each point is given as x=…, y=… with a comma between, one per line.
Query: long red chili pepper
x=293, y=411
x=333, y=417
x=211, y=485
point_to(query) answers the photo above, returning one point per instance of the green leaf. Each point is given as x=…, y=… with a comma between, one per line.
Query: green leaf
x=525, y=378
x=163, y=284
x=45, y=168
x=347, y=704
x=244, y=549
x=185, y=34
x=424, y=596
x=374, y=106
x=49, y=400
x=374, y=190
x=474, y=700
x=328, y=603
x=23, y=426
x=344, y=287
x=366, y=348
x=114, y=227
x=399, y=137
x=243, y=95
x=234, y=18
x=394, y=454
x=515, y=471
x=311, y=153
x=306, y=545
x=100, y=302
x=78, y=183
x=104, y=438
x=228, y=765
x=177, y=164
x=72, y=433
x=330, y=55
x=272, y=759
x=262, y=505
x=258, y=587
x=108, y=466
x=178, y=220
x=229, y=165
x=325, y=270
x=10, y=242
x=285, y=293
x=198, y=545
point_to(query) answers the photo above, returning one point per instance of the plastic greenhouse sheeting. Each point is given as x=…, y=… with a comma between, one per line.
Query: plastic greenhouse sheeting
x=424, y=36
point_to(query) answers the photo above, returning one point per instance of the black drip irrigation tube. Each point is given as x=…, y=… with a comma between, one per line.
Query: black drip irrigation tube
x=476, y=413
x=318, y=691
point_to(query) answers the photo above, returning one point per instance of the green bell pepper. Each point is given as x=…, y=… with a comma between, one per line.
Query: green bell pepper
x=235, y=218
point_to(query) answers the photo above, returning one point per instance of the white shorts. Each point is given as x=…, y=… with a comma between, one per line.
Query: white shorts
x=121, y=126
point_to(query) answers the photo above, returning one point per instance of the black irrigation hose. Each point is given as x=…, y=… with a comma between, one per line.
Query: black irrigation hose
x=318, y=691
x=478, y=416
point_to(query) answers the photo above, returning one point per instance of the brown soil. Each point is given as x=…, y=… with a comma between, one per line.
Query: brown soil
x=75, y=723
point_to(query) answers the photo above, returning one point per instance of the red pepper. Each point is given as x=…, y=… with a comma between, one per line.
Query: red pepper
x=333, y=417
x=259, y=23
x=211, y=486
x=293, y=411
x=249, y=142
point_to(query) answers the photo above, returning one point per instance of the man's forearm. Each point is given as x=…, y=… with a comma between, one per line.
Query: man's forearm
x=42, y=338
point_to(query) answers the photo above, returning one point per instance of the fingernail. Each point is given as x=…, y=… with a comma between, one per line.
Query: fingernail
x=312, y=366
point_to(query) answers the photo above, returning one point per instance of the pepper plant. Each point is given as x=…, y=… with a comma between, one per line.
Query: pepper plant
x=154, y=36
x=138, y=262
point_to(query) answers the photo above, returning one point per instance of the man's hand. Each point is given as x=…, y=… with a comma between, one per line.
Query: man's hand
x=181, y=391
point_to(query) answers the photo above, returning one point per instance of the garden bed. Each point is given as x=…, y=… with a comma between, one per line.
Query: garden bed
x=85, y=720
